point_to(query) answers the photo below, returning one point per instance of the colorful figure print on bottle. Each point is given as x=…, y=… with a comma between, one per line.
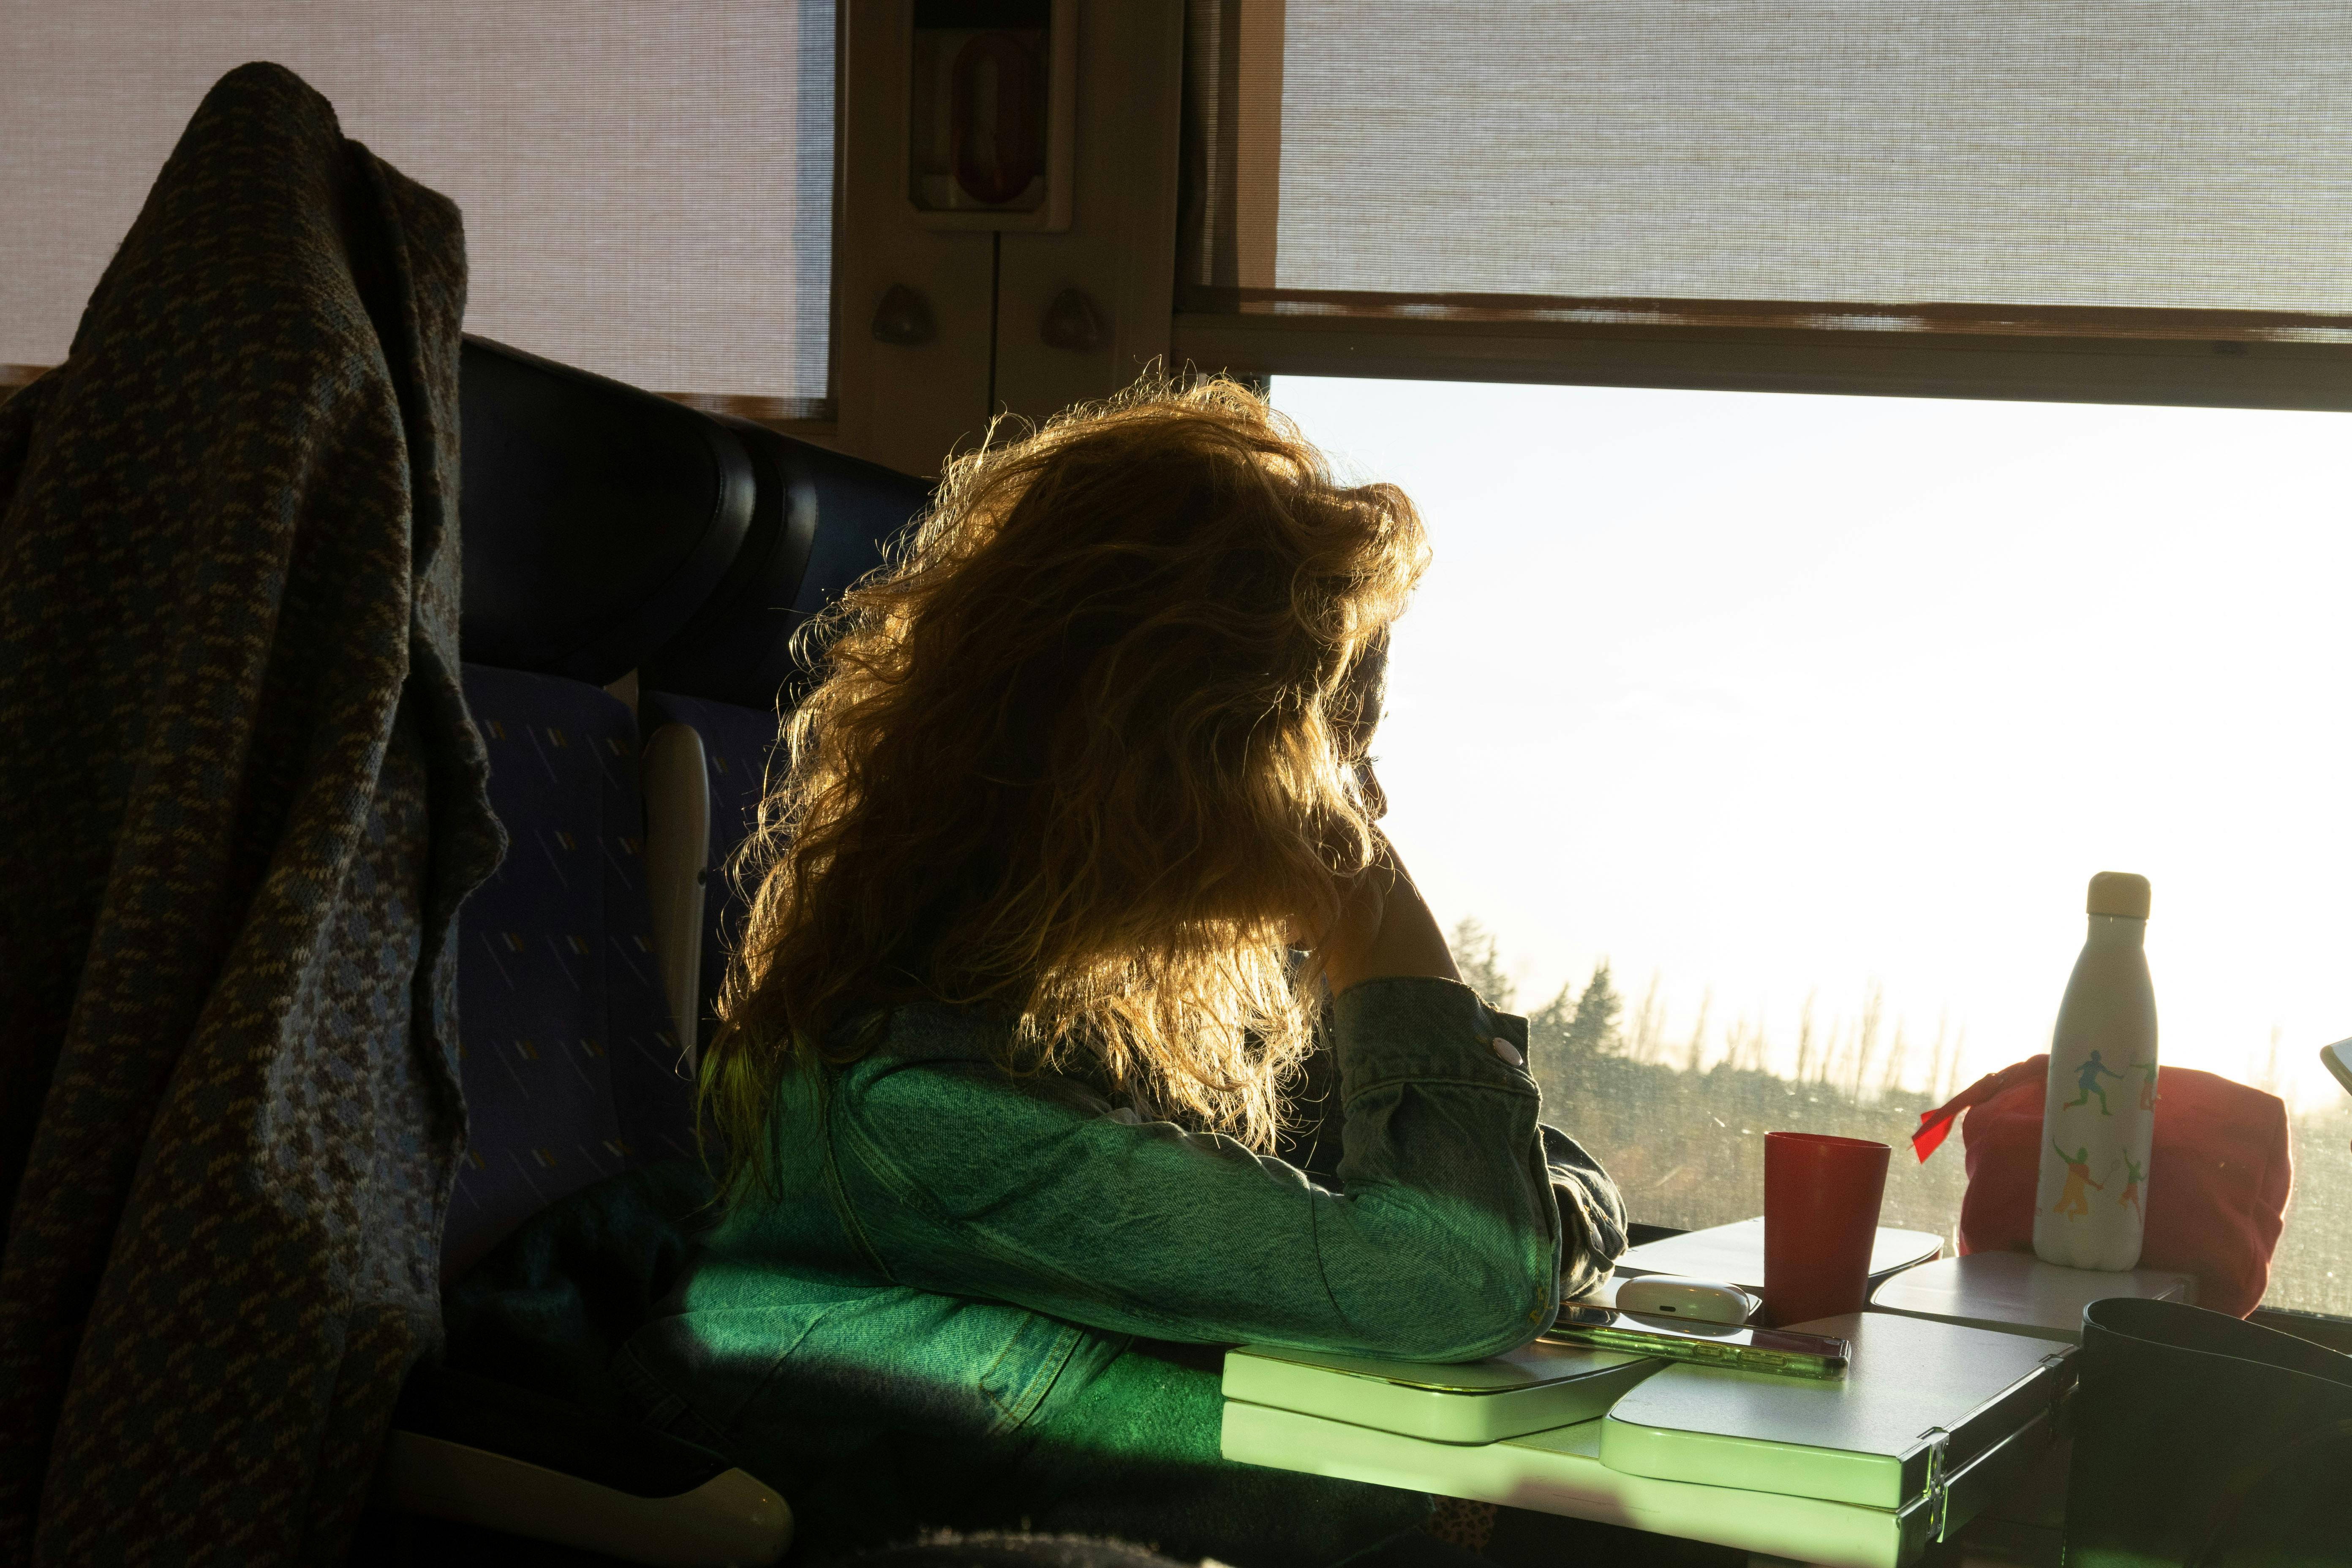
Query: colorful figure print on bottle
x=2105, y=1033
x=2133, y=1176
x=2087, y=1084
x=2074, y=1200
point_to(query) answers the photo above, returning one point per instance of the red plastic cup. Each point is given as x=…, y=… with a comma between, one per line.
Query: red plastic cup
x=1820, y=1216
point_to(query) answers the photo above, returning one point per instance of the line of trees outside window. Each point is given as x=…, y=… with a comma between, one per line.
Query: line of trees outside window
x=1679, y=1118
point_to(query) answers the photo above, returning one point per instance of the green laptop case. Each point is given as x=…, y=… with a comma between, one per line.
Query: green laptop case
x=1531, y=1389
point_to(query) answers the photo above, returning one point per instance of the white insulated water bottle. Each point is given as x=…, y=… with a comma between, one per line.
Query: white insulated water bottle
x=2099, y=1115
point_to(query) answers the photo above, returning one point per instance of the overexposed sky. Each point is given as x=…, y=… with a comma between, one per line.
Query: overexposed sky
x=1775, y=695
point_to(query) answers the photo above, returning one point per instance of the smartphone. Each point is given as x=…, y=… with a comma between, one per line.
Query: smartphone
x=1735, y=1345
x=2339, y=1057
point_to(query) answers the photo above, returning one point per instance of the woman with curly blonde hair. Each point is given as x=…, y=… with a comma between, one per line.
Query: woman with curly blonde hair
x=1073, y=921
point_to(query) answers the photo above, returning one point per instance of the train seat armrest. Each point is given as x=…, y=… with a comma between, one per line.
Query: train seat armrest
x=493, y=1454
x=730, y=1518
x=595, y=1446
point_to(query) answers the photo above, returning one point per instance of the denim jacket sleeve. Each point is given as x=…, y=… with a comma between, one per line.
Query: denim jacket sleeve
x=1443, y=1243
x=1592, y=1214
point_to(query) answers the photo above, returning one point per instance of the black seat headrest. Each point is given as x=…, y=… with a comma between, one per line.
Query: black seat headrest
x=822, y=521
x=597, y=518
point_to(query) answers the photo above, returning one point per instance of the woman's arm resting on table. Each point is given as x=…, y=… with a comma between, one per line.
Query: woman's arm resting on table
x=1444, y=1246
x=1389, y=930
x=1592, y=1214
x=1455, y=1213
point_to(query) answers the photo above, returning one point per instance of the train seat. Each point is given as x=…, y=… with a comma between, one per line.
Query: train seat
x=571, y=1060
x=574, y=1071
x=714, y=694
x=821, y=522
x=598, y=520
x=612, y=538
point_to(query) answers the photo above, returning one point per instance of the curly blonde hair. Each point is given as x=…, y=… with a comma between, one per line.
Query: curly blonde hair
x=1085, y=753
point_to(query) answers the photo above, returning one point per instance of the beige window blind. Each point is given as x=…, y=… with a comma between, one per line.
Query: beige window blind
x=2139, y=167
x=648, y=189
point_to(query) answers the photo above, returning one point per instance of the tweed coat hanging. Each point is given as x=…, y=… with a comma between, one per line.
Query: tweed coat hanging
x=240, y=801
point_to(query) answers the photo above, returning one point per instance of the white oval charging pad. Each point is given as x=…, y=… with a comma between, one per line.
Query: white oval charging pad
x=1672, y=1296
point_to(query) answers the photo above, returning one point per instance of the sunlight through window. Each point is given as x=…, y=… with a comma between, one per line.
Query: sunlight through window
x=1810, y=717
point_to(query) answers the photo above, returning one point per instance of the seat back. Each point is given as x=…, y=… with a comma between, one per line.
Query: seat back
x=599, y=523
x=598, y=517
x=822, y=520
x=822, y=523
x=570, y=1058
x=608, y=530
x=597, y=520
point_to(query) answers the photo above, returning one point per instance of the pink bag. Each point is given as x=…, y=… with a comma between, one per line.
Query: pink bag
x=2218, y=1175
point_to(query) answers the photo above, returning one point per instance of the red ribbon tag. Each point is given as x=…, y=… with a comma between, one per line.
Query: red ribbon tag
x=1936, y=1125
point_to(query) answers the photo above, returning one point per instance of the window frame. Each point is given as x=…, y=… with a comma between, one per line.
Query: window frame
x=2156, y=360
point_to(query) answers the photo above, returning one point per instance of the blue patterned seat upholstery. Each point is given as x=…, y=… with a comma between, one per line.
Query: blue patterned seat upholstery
x=570, y=1060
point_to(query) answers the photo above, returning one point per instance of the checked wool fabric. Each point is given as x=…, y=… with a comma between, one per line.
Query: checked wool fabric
x=240, y=801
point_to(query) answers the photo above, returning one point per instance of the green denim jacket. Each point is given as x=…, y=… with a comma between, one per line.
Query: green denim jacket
x=967, y=1301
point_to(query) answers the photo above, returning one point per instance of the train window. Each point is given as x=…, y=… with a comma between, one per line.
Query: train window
x=1760, y=746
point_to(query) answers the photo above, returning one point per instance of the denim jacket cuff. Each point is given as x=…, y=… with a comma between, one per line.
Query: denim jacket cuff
x=1419, y=1029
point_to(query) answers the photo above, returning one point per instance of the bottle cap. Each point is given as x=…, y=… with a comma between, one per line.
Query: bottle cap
x=2120, y=894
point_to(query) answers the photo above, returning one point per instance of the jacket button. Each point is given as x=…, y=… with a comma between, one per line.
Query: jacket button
x=1508, y=1052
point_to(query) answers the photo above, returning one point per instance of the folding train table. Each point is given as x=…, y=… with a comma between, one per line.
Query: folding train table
x=1933, y=1421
